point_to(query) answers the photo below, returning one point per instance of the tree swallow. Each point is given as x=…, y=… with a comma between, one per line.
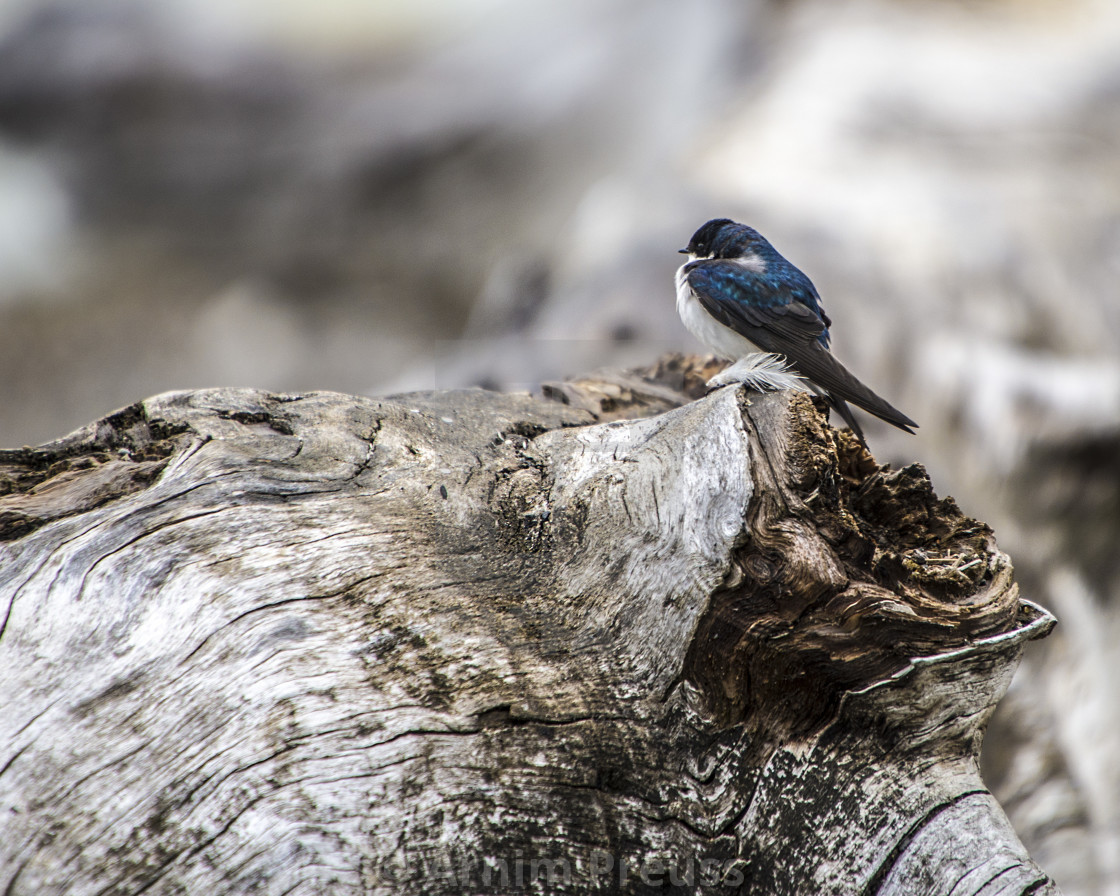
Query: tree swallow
x=740, y=297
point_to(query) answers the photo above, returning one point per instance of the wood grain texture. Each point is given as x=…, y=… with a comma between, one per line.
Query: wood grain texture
x=625, y=638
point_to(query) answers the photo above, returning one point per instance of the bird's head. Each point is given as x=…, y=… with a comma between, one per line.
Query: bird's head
x=724, y=238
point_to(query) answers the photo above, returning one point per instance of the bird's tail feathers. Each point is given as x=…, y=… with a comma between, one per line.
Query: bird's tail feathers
x=841, y=386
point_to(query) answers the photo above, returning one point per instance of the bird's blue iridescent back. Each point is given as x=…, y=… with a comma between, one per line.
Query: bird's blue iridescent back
x=778, y=283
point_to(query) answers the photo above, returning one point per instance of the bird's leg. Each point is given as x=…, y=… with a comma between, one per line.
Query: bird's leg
x=760, y=371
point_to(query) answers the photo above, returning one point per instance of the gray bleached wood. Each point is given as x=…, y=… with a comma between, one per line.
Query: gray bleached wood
x=614, y=641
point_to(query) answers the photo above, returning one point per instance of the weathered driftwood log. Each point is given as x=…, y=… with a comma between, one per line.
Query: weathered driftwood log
x=468, y=642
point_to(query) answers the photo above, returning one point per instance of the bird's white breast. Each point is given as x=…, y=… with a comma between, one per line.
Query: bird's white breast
x=722, y=340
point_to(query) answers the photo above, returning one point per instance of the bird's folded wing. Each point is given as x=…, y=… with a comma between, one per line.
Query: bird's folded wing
x=791, y=328
x=747, y=302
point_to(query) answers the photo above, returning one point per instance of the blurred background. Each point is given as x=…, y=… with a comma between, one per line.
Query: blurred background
x=371, y=196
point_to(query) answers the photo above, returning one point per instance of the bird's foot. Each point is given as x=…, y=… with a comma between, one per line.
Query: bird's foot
x=761, y=372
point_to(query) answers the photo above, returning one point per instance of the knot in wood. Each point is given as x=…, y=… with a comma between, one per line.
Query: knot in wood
x=759, y=568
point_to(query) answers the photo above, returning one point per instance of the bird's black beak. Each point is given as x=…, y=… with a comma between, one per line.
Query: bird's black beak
x=683, y=251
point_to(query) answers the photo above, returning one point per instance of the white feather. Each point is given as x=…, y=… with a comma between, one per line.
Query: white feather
x=762, y=372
